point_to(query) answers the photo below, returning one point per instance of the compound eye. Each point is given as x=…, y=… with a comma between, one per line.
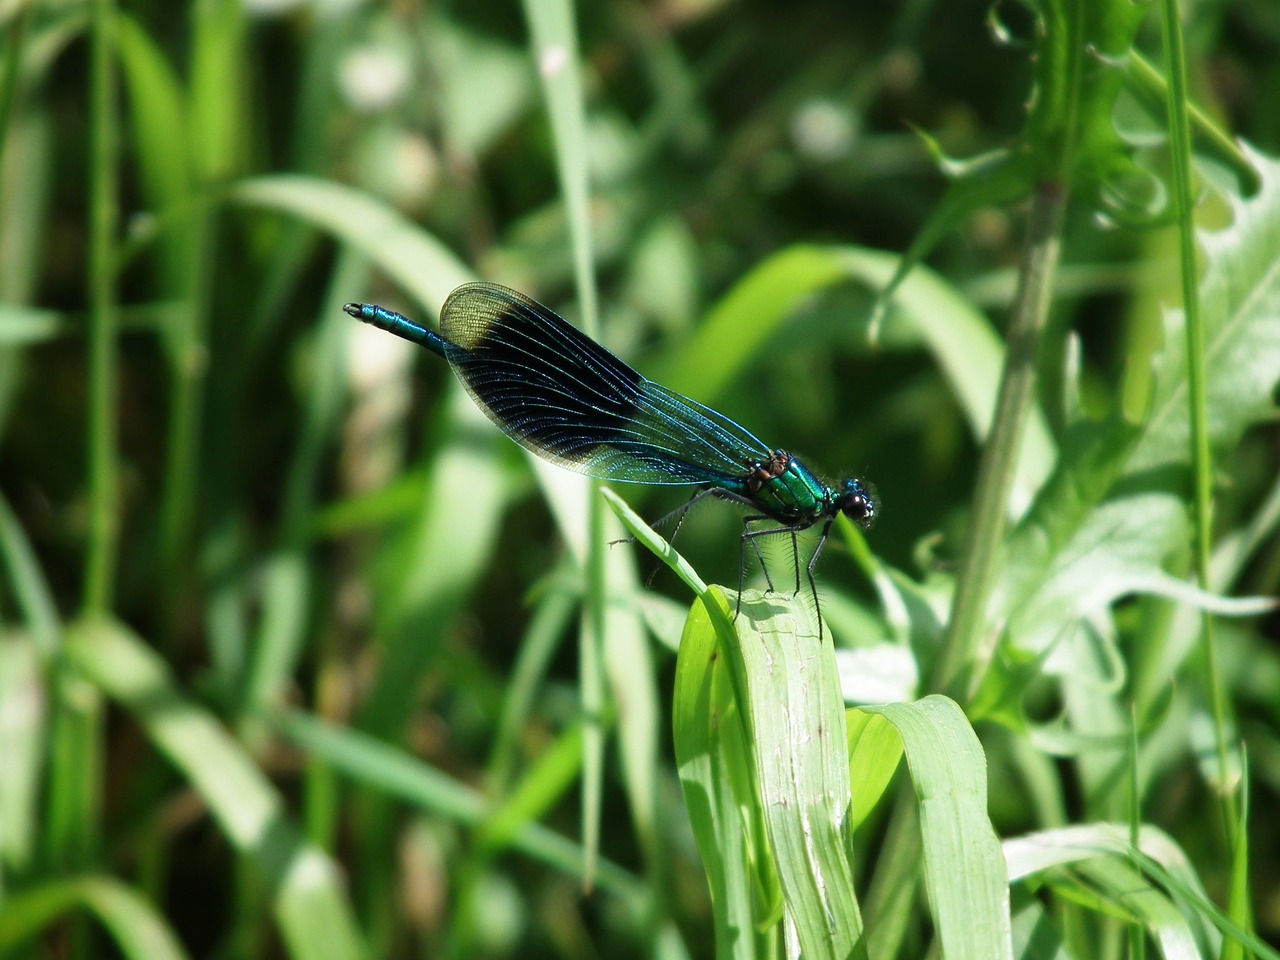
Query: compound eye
x=858, y=503
x=858, y=508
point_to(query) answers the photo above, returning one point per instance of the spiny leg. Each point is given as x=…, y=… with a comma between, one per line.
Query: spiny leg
x=753, y=535
x=795, y=553
x=750, y=535
x=679, y=513
x=813, y=562
x=795, y=557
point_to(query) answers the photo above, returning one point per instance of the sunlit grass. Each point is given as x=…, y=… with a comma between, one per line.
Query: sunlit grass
x=302, y=657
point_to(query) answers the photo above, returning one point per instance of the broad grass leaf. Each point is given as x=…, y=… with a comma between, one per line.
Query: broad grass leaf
x=22, y=748
x=875, y=751
x=964, y=869
x=796, y=718
x=1136, y=883
x=713, y=761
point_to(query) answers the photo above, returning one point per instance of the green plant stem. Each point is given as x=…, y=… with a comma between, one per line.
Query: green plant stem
x=103, y=467
x=1146, y=83
x=1202, y=457
x=188, y=361
x=555, y=45
x=16, y=36
x=969, y=647
x=592, y=683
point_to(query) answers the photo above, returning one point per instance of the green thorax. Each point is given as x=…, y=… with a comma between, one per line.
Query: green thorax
x=786, y=490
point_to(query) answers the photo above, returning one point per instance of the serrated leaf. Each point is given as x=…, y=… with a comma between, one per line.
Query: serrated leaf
x=1240, y=301
x=1110, y=516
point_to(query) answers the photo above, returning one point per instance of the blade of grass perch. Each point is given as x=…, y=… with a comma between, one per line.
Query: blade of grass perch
x=717, y=777
x=655, y=543
x=761, y=748
x=755, y=608
x=797, y=724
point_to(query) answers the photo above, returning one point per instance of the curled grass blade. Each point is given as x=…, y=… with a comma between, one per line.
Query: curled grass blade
x=311, y=907
x=964, y=868
x=136, y=928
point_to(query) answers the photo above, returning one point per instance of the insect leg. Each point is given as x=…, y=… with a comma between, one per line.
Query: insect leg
x=795, y=558
x=813, y=562
x=749, y=535
x=679, y=513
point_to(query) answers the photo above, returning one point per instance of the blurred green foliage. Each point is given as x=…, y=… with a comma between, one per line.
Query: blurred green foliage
x=292, y=657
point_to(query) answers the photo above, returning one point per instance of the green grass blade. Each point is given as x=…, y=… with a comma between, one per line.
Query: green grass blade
x=1195, y=333
x=964, y=868
x=287, y=588
x=159, y=122
x=962, y=341
x=423, y=597
x=1123, y=887
x=400, y=775
x=25, y=326
x=875, y=751
x=10, y=62
x=633, y=685
x=310, y=904
x=796, y=715
x=1238, y=903
x=134, y=925
x=654, y=542
x=543, y=785
x=555, y=49
x=102, y=455
x=551, y=616
x=404, y=251
x=716, y=773
x=23, y=744
x=30, y=587
x=762, y=752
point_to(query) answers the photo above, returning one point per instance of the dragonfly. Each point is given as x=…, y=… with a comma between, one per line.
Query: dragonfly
x=561, y=395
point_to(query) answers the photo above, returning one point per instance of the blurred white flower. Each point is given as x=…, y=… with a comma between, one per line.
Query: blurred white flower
x=373, y=78
x=552, y=61
x=822, y=130
x=270, y=8
x=415, y=170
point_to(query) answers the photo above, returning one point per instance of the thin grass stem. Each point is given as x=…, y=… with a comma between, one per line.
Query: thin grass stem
x=1197, y=380
x=969, y=647
x=104, y=530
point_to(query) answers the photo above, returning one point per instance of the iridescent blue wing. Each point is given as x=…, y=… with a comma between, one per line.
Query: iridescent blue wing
x=572, y=402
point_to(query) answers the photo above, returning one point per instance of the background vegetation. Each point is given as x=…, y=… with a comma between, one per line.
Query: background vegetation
x=301, y=657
